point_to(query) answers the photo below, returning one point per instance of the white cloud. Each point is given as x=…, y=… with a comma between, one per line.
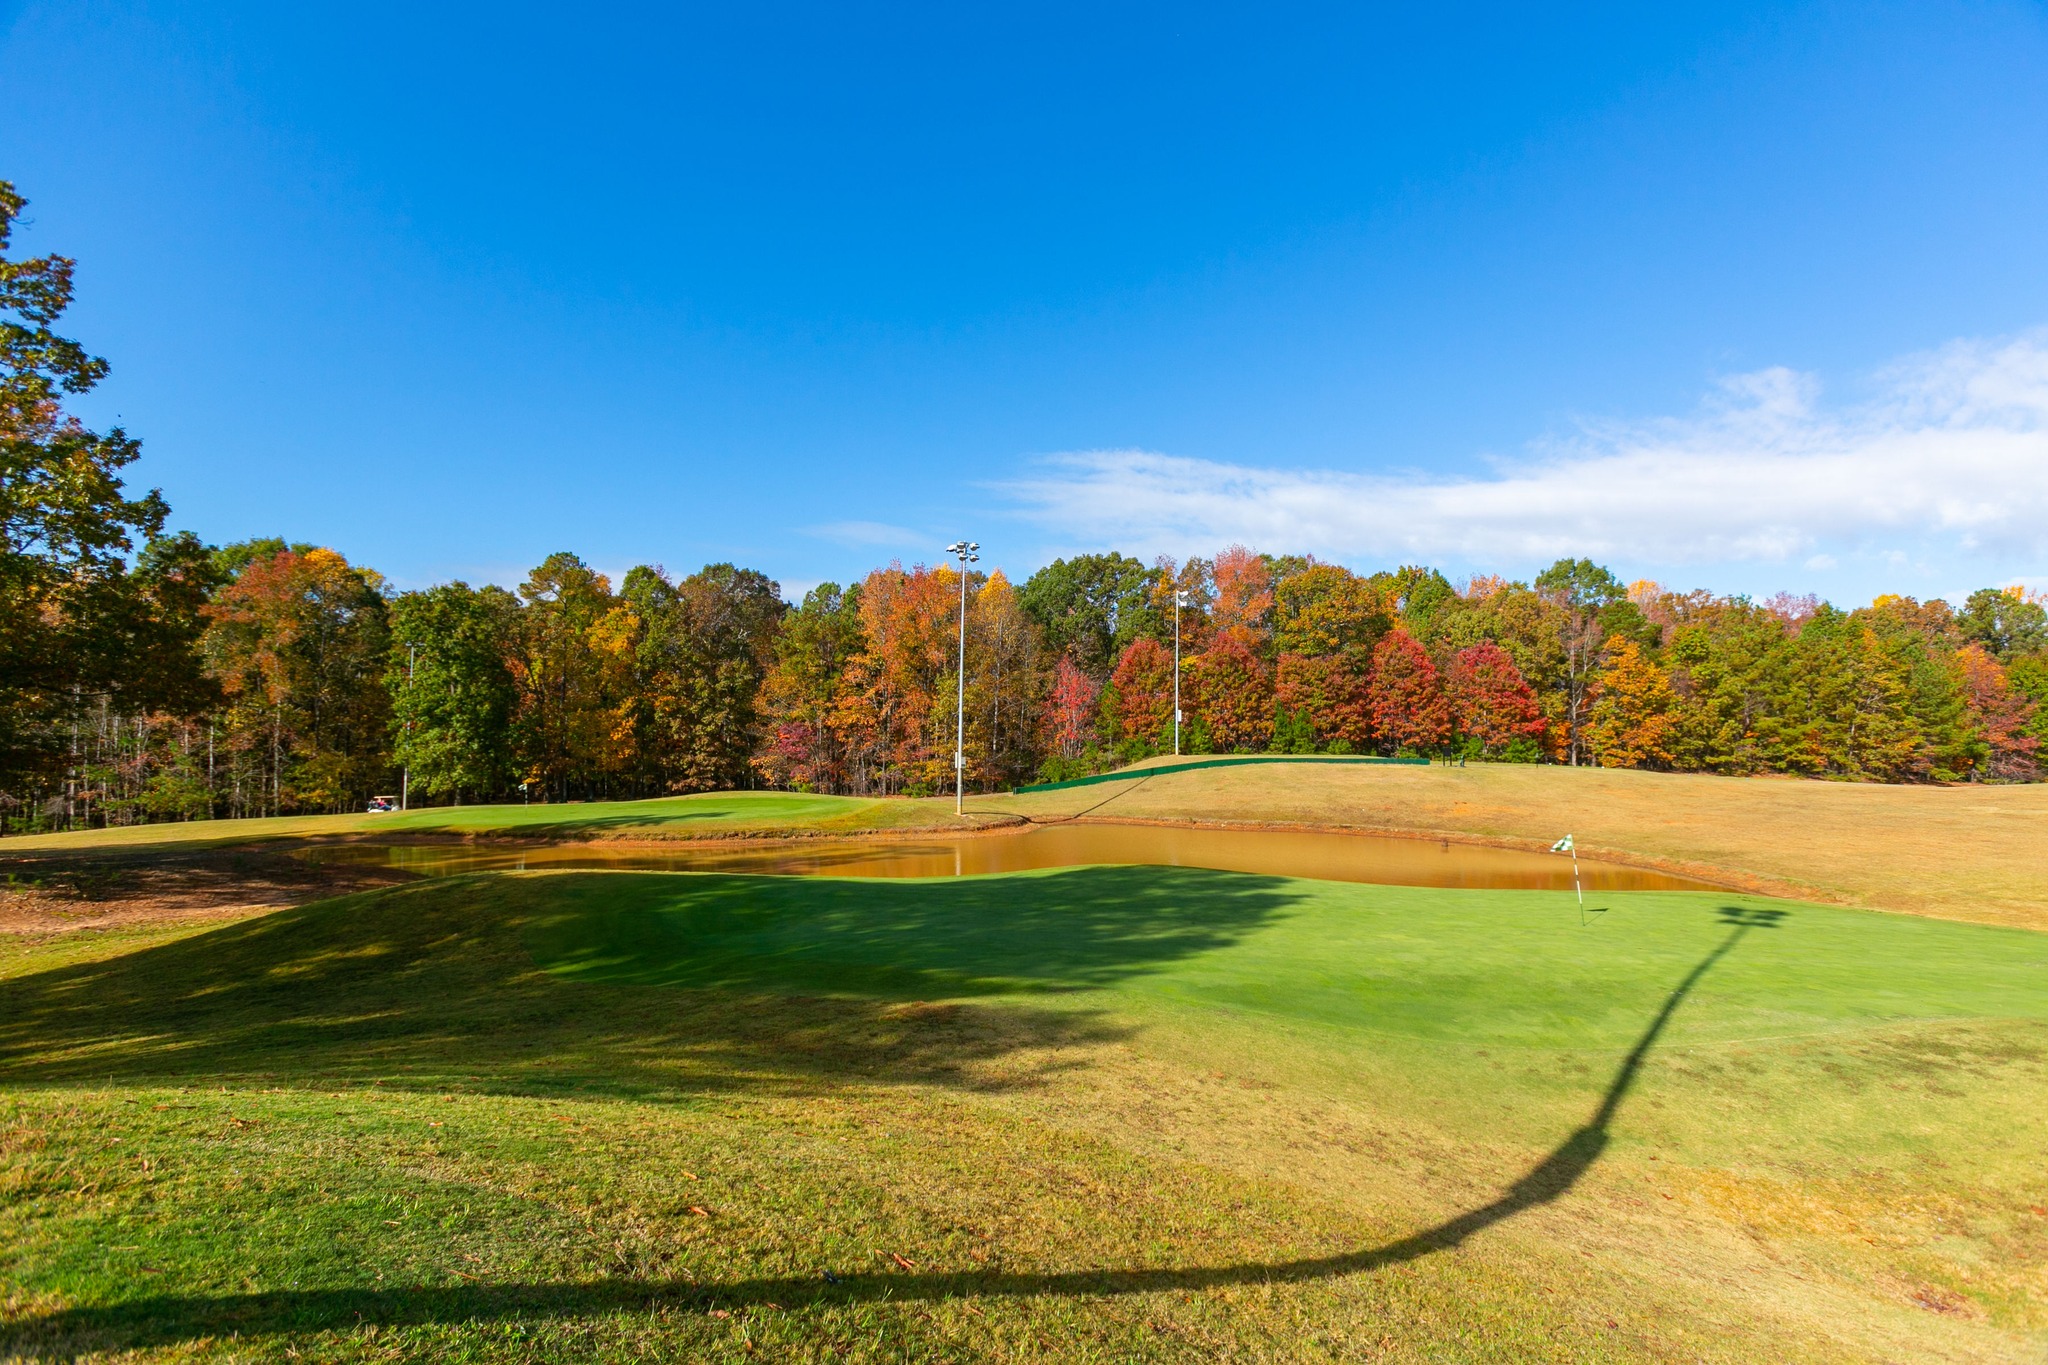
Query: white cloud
x=866, y=533
x=1951, y=454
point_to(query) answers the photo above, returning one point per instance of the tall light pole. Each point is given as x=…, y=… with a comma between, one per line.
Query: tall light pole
x=966, y=552
x=1180, y=599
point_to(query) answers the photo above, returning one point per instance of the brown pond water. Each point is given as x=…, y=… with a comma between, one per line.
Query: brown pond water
x=1326, y=857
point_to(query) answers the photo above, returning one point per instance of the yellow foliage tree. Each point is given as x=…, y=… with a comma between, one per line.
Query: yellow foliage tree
x=1635, y=713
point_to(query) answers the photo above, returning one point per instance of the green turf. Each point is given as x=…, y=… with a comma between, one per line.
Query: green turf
x=473, y=1117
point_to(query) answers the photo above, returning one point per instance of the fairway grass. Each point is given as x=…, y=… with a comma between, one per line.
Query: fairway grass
x=1091, y=1114
x=710, y=815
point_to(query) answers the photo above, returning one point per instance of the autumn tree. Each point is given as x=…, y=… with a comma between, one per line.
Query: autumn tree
x=1229, y=691
x=571, y=662
x=1143, y=687
x=1324, y=701
x=1090, y=607
x=2004, y=623
x=1410, y=713
x=1244, y=597
x=1070, y=711
x=897, y=718
x=1493, y=708
x=700, y=650
x=1632, y=714
x=803, y=743
x=2028, y=677
x=1421, y=598
x=2001, y=716
x=1005, y=685
x=1530, y=628
x=1327, y=609
x=1190, y=578
x=1592, y=603
x=299, y=644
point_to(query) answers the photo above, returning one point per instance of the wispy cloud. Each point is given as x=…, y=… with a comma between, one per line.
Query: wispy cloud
x=1951, y=452
x=860, y=534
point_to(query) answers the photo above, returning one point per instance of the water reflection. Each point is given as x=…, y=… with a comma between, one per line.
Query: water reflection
x=1326, y=857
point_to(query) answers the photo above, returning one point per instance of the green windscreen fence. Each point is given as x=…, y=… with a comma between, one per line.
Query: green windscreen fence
x=1135, y=774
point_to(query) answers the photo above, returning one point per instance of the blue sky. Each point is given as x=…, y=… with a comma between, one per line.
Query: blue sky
x=1745, y=297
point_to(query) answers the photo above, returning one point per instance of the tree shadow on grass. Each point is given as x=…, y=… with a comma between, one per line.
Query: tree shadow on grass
x=561, y=981
x=174, y=1318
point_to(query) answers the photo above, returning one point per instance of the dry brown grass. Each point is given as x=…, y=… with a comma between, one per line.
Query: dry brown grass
x=1966, y=853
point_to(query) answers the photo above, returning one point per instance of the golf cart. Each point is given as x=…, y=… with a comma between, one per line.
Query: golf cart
x=383, y=805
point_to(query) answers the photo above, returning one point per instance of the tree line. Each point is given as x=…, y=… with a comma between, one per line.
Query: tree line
x=147, y=676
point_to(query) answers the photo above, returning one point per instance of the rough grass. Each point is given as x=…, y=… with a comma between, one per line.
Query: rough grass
x=1966, y=852
x=1105, y=1113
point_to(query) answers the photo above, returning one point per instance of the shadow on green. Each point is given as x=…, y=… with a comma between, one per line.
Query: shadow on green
x=541, y=983
x=165, y=1319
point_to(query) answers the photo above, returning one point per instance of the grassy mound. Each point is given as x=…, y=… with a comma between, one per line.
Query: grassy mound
x=1100, y=1113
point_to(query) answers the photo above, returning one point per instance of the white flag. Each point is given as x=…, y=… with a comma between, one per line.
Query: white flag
x=1563, y=845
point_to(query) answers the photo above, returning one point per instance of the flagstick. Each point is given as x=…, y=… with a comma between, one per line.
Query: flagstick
x=1577, y=887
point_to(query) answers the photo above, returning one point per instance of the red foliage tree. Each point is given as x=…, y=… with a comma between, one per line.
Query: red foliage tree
x=1331, y=691
x=1233, y=693
x=1490, y=699
x=1070, y=710
x=1409, y=709
x=1144, y=692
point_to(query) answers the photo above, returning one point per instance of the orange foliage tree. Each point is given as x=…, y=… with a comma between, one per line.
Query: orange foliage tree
x=1232, y=693
x=298, y=642
x=896, y=711
x=1635, y=711
x=1244, y=595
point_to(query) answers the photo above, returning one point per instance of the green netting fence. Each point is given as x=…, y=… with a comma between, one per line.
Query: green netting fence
x=1133, y=774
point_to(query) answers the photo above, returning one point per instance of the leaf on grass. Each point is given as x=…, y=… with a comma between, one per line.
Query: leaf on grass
x=700, y=1211
x=902, y=1260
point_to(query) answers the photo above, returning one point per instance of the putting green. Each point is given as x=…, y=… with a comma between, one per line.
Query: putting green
x=1490, y=967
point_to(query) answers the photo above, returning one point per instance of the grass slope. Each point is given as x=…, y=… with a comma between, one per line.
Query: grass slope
x=1967, y=852
x=712, y=815
x=1100, y=1113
